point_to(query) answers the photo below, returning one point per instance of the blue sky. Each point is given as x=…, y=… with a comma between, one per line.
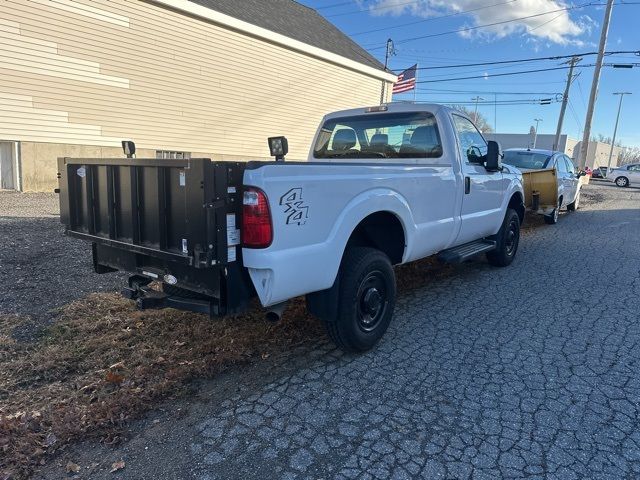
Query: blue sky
x=562, y=32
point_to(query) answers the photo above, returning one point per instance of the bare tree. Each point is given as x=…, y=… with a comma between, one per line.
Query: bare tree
x=629, y=155
x=481, y=122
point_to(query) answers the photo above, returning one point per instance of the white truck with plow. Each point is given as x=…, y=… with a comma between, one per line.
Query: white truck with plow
x=382, y=186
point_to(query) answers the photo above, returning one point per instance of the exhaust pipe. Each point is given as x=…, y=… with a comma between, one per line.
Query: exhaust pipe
x=274, y=313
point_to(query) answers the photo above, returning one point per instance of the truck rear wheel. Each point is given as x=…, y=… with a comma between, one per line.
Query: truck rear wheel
x=366, y=300
x=507, y=240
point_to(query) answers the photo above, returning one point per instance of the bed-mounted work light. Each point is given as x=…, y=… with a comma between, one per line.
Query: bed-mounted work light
x=129, y=148
x=279, y=147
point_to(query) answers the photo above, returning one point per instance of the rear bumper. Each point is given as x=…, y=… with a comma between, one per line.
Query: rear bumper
x=147, y=298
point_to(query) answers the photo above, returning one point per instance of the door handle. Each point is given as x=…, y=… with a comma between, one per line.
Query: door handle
x=467, y=185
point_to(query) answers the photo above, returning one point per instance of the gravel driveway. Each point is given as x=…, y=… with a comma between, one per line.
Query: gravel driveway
x=40, y=268
x=528, y=371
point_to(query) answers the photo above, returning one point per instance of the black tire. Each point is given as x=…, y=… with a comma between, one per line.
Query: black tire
x=366, y=300
x=507, y=240
x=552, y=218
x=622, y=182
x=573, y=206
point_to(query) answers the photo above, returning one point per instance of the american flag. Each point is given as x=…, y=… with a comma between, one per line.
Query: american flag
x=406, y=80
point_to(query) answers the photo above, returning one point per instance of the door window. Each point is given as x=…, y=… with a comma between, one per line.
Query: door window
x=472, y=144
x=571, y=168
x=635, y=168
x=561, y=165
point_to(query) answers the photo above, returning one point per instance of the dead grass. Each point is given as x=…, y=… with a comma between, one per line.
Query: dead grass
x=104, y=362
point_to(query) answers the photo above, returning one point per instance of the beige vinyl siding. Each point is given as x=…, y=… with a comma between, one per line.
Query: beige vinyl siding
x=93, y=72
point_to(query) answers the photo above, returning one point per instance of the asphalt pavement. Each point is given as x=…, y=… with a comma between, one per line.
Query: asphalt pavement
x=527, y=371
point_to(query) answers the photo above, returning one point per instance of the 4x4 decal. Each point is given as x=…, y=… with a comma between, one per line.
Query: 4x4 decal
x=295, y=209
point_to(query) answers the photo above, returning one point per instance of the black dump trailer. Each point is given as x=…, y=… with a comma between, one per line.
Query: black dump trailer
x=176, y=222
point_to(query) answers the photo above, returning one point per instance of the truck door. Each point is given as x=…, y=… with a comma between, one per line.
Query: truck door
x=481, y=213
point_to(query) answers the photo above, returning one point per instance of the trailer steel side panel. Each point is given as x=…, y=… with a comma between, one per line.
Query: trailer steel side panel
x=160, y=217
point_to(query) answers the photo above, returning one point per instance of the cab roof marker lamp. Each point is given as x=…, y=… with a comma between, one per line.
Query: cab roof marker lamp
x=379, y=108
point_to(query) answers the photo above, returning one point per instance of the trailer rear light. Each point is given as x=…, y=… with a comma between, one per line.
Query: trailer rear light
x=257, y=231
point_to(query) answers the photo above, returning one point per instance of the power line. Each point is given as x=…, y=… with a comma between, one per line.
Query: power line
x=381, y=7
x=629, y=65
x=531, y=59
x=334, y=5
x=467, y=29
x=575, y=117
x=433, y=91
x=520, y=101
x=456, y=102
x=431, y=18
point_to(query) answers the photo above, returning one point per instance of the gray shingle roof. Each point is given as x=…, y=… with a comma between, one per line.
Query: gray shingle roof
x=296, y=21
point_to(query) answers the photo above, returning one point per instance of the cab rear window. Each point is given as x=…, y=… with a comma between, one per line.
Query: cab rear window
x=383, y=135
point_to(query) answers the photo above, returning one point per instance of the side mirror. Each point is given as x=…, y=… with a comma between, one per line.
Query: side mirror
x=279, y=147
x=493, y=159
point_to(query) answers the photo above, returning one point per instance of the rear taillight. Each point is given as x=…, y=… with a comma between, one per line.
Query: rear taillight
x=256, y=219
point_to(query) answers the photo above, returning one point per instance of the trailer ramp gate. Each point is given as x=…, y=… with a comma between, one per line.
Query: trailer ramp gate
x=161, y=219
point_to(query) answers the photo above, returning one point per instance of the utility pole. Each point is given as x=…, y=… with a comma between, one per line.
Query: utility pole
x=475, y=115
x=535, y=133
x=388, y=52
x=565, y=100
x=584, y=148
x=615, y=129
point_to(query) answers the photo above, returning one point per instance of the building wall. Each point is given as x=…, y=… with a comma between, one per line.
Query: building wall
x=598, y=154
x=78, y=76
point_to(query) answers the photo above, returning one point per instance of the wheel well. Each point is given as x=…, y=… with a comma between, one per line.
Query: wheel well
x=517, y=203
x=383, y=231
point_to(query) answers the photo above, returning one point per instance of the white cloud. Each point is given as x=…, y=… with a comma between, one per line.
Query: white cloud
x=558, y=27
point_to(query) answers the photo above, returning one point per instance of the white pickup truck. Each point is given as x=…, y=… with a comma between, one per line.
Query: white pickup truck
x=382, y=186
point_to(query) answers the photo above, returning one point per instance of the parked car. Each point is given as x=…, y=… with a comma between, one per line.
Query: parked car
x=551, y=176
x=383, y=186
x=600, y=172
x=625, y=175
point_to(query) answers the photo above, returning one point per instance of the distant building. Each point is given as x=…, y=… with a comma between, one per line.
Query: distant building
x=181, y=78
x=597, y=154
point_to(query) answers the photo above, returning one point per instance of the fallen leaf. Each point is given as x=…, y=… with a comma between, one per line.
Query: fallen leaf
x=50, y=440
x=113, y=378
x=73, y=467
x=115, y=466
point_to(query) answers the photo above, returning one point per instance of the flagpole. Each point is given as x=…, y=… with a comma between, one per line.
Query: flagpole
x=415, y=87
